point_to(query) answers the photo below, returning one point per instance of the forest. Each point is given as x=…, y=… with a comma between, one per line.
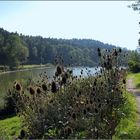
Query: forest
x=17, y=49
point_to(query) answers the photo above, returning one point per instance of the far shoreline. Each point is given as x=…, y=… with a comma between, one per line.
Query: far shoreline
x=26, y=68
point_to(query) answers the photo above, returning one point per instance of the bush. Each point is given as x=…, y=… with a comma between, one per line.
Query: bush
x=71, y=106
x=134, y=66
x=10, y=100
x=134, y=62
x=4, y=68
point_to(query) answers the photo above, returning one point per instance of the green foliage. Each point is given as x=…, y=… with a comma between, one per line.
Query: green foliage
x=12, y=49
x=18, y=49
x=136, y=77
x=10, y=105
x=72, y=107
x=10, y=128
x=134, y=62
x=127, y=128
x=4, y=68
x=135, y=6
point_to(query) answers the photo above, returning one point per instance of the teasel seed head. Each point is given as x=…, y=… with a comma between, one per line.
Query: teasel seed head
x=44, y=87
x=38, y=90
x=124, y=81
x=22, y=134
x=67, y=131
x=18, y=87
x=73, y=115
x=31, y=90
x=59, y=70
x=53, y=87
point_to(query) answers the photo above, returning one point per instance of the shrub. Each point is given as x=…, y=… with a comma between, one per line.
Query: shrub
x=134, y=66
x=74, y=107
x=134, y=62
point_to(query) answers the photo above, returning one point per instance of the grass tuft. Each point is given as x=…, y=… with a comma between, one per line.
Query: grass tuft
x=10, y=128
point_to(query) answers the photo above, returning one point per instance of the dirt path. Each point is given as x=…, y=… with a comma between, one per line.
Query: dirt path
x=130, y=86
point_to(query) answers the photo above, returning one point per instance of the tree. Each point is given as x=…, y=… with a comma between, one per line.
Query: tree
x=134, y=62
x=15, y=51
x=135, y=6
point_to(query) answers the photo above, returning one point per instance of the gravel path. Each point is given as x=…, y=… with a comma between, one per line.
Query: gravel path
x=130, y=86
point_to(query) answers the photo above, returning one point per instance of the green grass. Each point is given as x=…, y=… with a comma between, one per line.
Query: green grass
x=10, y=128
x=136, y=77
x=34, y=66
x=30, y=66
x=127, y=128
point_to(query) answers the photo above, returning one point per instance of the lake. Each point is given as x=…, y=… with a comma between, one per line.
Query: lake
x=7, y=79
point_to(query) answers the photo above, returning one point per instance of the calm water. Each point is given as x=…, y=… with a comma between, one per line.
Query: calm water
x=7, y=79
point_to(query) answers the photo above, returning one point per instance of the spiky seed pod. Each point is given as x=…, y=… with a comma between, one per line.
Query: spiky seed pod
x=101, y=83
x=95, y=83
x=120, y=50
x=59, y=70
x=96, y=110
x=93, y=94
x=99, y=54
x=41, y=111
x=98, y=50
x=107, y=101
x=18, y=87
x=38, y=90
x=31, y=90
x=91, y=102
x=22, y=134
x=66, y=75
x=85, y=112
x=108, y=63
x=67, y=131
x=124, y=81
x=51, y=101
x=9, y=92
x=99, y=100
x=108, y=79
x=53, y=87
x=115, y=53
x=88, y=109
x=114, y=74
x=44, y=87
x=105, y=64
x=56, y=74
x=117, y=89
x=99, y=106
x=93, y=89
x=77, y=95
x=22, y=92
x=74, y=116
x=64, y=79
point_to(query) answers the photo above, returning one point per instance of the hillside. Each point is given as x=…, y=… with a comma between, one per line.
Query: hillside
x=18, y=49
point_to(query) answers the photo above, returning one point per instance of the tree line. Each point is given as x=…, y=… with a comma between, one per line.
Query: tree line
x=17, y=49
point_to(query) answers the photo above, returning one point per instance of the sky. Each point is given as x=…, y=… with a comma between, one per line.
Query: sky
x=111, y=22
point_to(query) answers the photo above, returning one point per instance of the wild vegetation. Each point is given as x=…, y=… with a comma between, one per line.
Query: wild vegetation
x=128, y=127
x=134, y=62
x=73, y=107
